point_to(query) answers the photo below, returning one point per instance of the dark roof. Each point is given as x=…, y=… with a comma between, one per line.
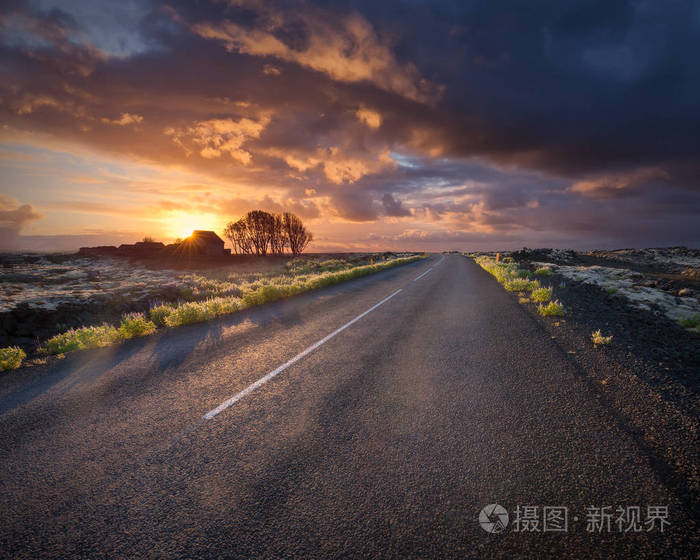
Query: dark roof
x=206, y=235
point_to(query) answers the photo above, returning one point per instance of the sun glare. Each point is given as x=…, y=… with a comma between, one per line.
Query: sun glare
x=182, y=225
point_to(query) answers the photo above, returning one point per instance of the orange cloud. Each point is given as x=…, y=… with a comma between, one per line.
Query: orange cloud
x=337, y=166
x=371, y=118
x=217, y=136
x=124, y=120
x=349, y=52
x=608, y=184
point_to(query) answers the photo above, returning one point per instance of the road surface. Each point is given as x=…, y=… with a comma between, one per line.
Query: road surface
x=326, y=426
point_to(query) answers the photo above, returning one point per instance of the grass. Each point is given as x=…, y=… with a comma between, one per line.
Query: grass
x=217, y=298
x=541, y=295
x=11, y=357
x=521, y=285
x=611, y=291
x=552, y=309
x=80, y=339
x=159, y=313
x=598, y=338
x=516, y=279
x=135, y=324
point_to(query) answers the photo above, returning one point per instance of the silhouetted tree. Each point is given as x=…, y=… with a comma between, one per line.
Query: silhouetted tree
x=278, y=239
x=237, y=234
x=260, y=226
x=296, y=233
x=260, y=232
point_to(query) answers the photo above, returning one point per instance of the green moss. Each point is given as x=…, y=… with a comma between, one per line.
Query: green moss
x=692, y=322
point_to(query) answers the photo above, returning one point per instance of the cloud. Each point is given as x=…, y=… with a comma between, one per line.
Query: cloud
x=124, y=120
x=13, y=217
x=394, y=207
x=215, y=137
x=610, y=185
x=371, y=118
x=345, y=48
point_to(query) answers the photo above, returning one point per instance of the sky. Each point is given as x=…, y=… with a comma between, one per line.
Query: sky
x=393, y=125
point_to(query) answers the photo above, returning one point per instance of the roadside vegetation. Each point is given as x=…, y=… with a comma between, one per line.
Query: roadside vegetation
x=212, y=298
x=598, y=338
x=11, y=357
x=542, y=295
x=520, y=281
x=552, y=309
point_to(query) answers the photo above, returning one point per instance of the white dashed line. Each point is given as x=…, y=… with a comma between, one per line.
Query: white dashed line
x=421, y=275
x=233, y=400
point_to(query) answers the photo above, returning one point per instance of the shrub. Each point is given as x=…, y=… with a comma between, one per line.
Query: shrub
x=598, y=338
x=542, y=295
x=520, y=285
x=135, y=324
x=552, y=309
x=544, y=271
x=222, y=305
x=80, y=339
x=522, y=273
x=188, y=313
x=523, y=300
x=11, y=357
x=263, y=294
x=611, y=291
x=159, y=314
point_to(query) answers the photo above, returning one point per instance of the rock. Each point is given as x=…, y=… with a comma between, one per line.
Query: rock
x=685, y=292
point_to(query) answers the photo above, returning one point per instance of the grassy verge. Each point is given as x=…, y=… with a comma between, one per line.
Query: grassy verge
x=260, y=290
x=518, y=280
x=11, y=357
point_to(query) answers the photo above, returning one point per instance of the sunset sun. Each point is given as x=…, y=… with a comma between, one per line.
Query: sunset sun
x=182, y=225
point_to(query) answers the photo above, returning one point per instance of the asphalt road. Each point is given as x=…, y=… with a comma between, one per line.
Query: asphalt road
x=386, y=440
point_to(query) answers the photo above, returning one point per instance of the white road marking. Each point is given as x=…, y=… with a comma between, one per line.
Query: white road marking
x=438, y=263
x=233, y=400
x=421, y=275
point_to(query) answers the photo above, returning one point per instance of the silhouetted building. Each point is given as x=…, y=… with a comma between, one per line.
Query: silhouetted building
x=141, y=248
x=207, y=243
x=102, y=250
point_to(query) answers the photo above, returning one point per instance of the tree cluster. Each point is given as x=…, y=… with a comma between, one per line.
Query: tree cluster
x=262, y=233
